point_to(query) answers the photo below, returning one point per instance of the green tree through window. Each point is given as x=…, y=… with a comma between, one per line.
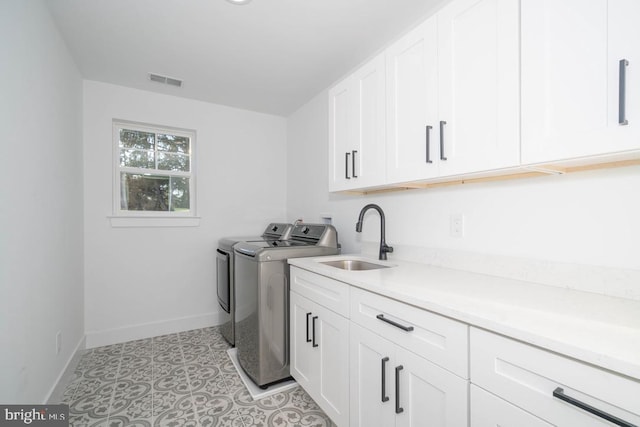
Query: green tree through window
x=154, y=169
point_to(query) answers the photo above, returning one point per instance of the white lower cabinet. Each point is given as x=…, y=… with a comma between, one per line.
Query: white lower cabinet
x=488, y=410
x=391, y=386
x=440, y=340
x=376, y=379
x=371, y=361
x=304, y=360
x=398, y=375
x=320, y=356
x=549, y=386
x=372, y=383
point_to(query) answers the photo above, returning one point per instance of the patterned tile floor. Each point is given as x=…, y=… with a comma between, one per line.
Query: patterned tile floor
x=184, y=379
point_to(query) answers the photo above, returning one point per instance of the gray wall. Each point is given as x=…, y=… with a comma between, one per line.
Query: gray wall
x=41, y=253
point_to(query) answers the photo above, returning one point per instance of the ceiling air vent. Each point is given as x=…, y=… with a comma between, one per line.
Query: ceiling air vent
x=164, y=79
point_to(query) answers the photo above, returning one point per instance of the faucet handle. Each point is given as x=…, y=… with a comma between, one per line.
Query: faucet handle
x=384, y=249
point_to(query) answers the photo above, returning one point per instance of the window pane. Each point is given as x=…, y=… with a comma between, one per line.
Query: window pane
x=172, y=143
x=173, y=162
x=137, y=158
x=136, y=139
x=180, y=194
x=154, y=193
x=144, y=192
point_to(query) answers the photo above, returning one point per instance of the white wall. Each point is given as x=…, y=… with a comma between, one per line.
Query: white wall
x=41, y=259
x=149, y=281
x=588, y=218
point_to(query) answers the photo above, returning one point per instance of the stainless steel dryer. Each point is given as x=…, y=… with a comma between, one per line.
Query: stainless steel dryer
x=262, y=298
x=225, y=283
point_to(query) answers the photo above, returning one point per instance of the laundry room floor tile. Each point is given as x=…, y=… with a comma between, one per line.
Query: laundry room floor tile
x=179, y=380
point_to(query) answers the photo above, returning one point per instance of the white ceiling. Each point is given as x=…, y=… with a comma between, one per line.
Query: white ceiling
x=270, y=56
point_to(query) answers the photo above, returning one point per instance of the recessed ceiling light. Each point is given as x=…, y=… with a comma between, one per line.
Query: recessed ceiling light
x=239, y=2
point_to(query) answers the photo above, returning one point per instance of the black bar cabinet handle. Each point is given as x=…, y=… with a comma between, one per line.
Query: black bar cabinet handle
x=399, y=409
x=559, y=393
x=397, y=325
x=346, y=165
x=384, y=397
x=353, y=163
x=428, y=143
x=622, y=93
x=313, y=331
x=308, y=339
x=442, y=156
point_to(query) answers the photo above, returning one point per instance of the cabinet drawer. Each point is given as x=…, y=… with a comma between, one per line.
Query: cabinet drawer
x=440, y=340
x=327, y=292
x=488, y=410
x=527, y=376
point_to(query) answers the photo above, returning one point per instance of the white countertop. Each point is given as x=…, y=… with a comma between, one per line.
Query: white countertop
x=597, y=329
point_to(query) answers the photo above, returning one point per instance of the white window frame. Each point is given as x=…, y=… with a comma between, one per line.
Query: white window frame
x=156, y=218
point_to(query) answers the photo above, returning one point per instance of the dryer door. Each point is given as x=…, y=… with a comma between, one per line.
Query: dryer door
x=223, y=280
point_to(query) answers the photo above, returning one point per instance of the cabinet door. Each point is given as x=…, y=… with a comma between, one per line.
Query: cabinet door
x=341, y=134
x=624, y=33
x=332, y=340
x=412, y=102
x=372, y=398
x=478, y=59
x=356, y=129
x=570, y=77
x=488, y=410
x=304, y=360
x=429, y=395
x=368, y=154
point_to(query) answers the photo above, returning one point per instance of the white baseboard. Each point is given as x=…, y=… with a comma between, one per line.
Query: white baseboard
x=152, y=329
x=57, y=390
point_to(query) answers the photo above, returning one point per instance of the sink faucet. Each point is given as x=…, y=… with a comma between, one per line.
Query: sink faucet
x=384, y=248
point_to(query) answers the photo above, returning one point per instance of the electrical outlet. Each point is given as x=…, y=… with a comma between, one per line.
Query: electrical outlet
x=58, y=342
x=456, y=225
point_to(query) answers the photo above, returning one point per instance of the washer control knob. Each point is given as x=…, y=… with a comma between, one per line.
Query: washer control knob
x=274, y=228
x=305, y=230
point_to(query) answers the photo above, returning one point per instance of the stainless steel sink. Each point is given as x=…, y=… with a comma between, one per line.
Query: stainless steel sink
x=354, y=265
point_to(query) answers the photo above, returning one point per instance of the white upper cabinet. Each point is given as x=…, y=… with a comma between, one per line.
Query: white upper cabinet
x=484, y=87
x=412, y=105
x=340, y=135
x=453, y=93
x=370, y=125
x=572, y=99
x=478, y=59
x=356, y=129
